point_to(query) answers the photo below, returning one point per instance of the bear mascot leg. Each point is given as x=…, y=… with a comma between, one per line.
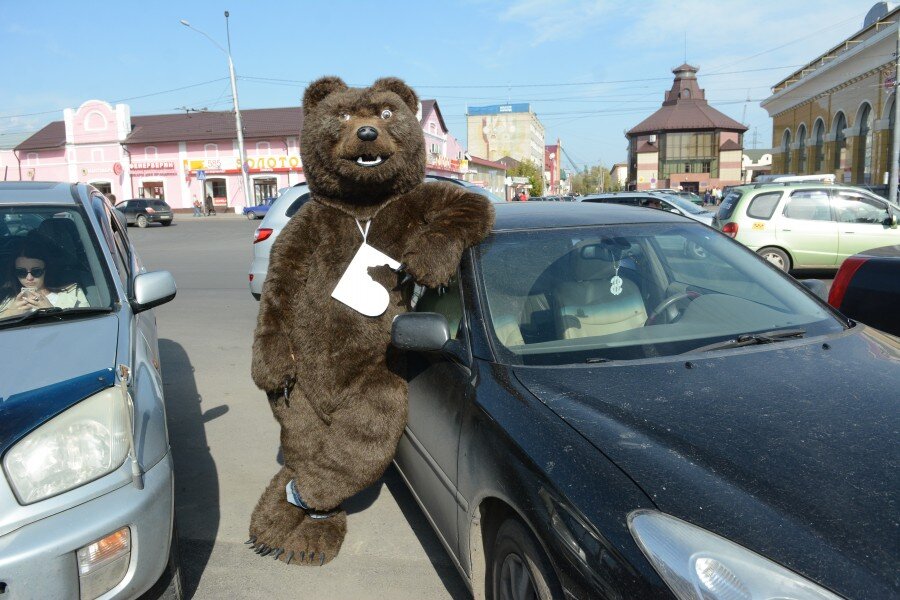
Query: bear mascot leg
x=335, y=384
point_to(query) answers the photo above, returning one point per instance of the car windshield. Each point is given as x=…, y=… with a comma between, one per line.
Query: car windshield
x=626, y=292
x=49, y=263
x=685, y=205
x=484, y=192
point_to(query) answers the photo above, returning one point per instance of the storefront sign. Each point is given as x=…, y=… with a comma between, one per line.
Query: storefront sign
x=155, y=168
x=262, y=164
x=95, y=171
x=437, y=161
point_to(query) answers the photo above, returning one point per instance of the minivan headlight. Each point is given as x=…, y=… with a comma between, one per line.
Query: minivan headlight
x=699, y=565
x=79, y=445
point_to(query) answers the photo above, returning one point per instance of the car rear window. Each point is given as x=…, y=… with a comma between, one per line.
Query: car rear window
x=159, y=204
x=763, y=205
x=296, y=204
x=729, y=202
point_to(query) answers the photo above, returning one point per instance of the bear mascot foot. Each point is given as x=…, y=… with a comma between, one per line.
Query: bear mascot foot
x=288, y=533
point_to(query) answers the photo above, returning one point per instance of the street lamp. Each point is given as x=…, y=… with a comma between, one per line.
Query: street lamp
x=237, y=110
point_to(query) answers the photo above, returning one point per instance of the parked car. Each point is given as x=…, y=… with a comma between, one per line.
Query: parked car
x=867, y=288
x=287, y=204
x=674, y=433
x=669, y=202
x=280, y=212
x=807, y=225
x=87, y=492
x=142, y=212
x=691, y=196
x=260, y=210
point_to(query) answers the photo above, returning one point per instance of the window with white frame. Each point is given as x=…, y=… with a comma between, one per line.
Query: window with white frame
x=263, y=149
x=211, y=150
x=150, y=152
x=94, y=121
x=32, y=159
x=96, y=154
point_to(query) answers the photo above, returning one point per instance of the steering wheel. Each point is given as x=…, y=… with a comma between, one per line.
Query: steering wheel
x=668, y=303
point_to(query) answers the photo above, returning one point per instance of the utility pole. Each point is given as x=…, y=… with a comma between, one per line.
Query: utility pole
x=895, y=150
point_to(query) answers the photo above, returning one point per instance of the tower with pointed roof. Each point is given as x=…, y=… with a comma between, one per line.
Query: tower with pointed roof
x=686, y=143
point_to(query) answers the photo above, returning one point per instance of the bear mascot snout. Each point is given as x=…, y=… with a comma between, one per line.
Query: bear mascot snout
x=338, y=275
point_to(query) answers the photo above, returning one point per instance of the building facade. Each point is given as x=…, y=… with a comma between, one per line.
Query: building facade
x=835, y=114
x=183, y=157
x=490, y=175
x=505, y=130
x=686, y=143
x=755, y=163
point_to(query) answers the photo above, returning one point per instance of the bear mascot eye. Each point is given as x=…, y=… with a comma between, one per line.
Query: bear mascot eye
x=344, y=117
x=386, y=114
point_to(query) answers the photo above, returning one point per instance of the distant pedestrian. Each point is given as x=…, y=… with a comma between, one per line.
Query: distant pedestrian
x=522, y=196
x=707, y=197
x=208, y=207
x=197, y=207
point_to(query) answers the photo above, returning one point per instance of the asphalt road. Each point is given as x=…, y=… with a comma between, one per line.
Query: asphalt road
x=225, y=443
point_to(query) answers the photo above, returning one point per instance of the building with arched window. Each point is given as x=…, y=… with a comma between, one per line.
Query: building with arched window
x=686, y=143
x=835, y=114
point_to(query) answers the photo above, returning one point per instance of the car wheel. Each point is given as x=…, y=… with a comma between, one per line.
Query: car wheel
x=166, y=223
x=142, y=221
x=251, y=216
x=777, y=257
x=169, y=586
x=519, y=570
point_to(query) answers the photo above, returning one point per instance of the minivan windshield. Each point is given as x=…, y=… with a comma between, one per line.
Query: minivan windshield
x=626, y=292
x=49, y=263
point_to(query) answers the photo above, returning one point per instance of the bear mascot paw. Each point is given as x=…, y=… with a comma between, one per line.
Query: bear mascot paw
x=322, y=346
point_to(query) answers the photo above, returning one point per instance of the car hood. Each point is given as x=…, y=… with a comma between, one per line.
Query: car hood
x=787, y=449
x=50, y=367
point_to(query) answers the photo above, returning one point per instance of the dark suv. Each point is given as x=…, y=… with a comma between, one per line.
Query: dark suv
x=143, y=211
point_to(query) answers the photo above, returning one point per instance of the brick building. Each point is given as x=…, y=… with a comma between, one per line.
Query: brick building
x=686, y=142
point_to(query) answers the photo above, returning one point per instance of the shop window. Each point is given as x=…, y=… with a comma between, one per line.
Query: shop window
x=216, y=188
x=786, y=150
x=103, y=187
x=801, y=146
x=840, y=141
x=152, y=189
x=264, y=188
x=818, y=146
x=866, y=137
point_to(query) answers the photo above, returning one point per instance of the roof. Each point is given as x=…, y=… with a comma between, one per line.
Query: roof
x=429, y=106
x=38, y=192
x=754, y=154
x=646, y=146
x=730, y=145
x=543, y=215
x=197, y=126
x=685, y=109
x=487, y=163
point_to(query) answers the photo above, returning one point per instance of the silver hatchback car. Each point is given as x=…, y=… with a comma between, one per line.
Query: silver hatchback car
x=86, y=492
x=283, y=208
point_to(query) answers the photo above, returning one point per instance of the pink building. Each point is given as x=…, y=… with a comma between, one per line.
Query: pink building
x=179, y=157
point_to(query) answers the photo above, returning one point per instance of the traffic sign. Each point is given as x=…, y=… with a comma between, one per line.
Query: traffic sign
x=201, y=175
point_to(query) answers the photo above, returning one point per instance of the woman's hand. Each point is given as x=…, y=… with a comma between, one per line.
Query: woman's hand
x=32, y=300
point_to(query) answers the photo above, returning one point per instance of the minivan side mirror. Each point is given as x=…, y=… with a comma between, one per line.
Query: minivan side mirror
x=152, y=289
x=420, y=332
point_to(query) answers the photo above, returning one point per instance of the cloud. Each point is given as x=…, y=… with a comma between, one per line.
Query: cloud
x=548, y=22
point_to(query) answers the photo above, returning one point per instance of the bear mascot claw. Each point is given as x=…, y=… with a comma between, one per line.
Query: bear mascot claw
x=335, y=384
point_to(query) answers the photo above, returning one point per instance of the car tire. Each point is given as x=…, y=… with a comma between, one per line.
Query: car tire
x=166, y=223
x=777, y=257
x=519, y=568
x=169, y=586
x=251, y=216
x=142, y=221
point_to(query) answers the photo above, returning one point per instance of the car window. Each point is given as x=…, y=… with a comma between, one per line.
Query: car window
x=763, y=206
x=729, y=202
x=627, y=292
x=852, y=207
x=808, y=205
x=296, y=204
x=446, y=301
x=56, y=252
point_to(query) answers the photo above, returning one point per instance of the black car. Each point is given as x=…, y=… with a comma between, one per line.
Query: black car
x=867, y=288
x=142, y=212
x=594, y=415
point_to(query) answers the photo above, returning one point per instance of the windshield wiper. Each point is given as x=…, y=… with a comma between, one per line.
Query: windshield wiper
x=598, y=360
x=750, y=339
x=53, y=311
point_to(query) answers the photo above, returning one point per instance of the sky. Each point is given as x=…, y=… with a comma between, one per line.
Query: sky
x=591, y=69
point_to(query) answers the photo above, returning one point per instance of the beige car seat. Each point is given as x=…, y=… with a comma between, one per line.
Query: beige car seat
x=586, y=305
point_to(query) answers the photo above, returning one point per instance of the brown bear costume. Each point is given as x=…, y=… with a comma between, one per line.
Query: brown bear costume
x=335, y=383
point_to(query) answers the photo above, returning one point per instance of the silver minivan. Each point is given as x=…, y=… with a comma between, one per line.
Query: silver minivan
x=87, y=491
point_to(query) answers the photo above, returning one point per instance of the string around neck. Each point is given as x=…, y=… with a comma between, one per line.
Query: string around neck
x=364, y=232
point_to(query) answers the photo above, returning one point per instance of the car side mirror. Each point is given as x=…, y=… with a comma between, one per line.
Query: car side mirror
x=152, y=289
x=891, y=221
x=817, y=287
x=420, y=332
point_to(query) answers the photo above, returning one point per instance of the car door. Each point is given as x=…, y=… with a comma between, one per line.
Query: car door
x=807, y=230
x=438, y=390
x=862, y=223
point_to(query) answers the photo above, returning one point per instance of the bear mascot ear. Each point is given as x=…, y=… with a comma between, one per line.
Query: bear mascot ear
x=392, y=84
x=319, y=89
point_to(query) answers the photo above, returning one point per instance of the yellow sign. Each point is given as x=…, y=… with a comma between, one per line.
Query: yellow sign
x=759, y=226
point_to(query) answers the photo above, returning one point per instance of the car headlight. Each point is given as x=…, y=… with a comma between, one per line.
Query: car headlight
x=79, y=445
x=699, y=565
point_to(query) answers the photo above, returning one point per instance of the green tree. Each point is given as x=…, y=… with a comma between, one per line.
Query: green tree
x=534, y=175
x=593, y=180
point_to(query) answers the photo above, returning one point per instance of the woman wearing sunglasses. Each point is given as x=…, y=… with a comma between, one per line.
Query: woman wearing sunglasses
x=27, y=286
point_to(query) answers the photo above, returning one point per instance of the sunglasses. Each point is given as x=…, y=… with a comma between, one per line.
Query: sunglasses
x=36, y=272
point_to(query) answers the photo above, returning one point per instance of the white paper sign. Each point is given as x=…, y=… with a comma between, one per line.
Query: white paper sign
x=357, y=289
